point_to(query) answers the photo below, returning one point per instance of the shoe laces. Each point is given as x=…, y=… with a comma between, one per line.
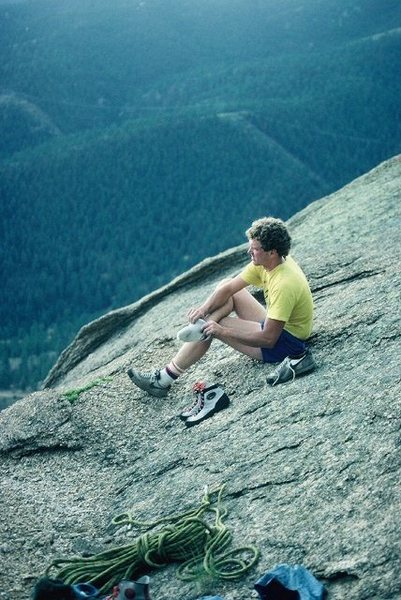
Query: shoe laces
x=199, y=386
x=198, y=389
x=286, y=363
x=152, y=375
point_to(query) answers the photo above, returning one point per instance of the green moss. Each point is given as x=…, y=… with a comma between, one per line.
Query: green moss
x=73, y=395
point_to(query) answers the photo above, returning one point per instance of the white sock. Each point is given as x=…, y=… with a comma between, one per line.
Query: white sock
x=170, y=373
x=166, y=377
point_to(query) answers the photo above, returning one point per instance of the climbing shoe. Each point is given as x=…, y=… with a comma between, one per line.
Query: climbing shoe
x=291, y=368
x=208, y=400
x=197, y=389
x=131, y=590
x=149, y=382
x=193, y=332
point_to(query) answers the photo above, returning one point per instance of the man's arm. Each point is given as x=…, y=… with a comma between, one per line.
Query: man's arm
x=218, y=298
x=271, y=331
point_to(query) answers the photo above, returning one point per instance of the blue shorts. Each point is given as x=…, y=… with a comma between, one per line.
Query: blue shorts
x=286, y=345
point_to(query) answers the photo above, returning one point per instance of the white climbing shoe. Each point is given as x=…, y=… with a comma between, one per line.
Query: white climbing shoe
x=208, y=400
x=193, y=332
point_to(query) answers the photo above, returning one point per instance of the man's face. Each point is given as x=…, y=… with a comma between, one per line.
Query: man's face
x=256, y=252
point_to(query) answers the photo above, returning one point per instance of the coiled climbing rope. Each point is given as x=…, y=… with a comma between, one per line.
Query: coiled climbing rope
x=199, y=534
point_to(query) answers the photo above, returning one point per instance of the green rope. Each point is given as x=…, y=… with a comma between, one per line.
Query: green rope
x=185, y=535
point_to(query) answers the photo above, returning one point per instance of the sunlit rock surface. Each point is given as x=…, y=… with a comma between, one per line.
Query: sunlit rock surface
x=312, y=467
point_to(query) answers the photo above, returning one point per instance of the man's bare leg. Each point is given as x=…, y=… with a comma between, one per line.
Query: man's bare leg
x=249, y=315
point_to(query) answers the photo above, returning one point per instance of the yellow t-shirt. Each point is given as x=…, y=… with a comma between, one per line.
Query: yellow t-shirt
x=287, y=295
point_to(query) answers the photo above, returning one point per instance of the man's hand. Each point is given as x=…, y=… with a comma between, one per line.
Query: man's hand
x=196, y=313
x=212, y=328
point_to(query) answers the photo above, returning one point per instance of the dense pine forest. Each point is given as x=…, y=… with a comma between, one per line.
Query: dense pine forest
x=139, y=137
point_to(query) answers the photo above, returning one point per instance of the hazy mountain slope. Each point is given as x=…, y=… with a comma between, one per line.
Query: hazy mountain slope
x=118, y=196
x=89, y=63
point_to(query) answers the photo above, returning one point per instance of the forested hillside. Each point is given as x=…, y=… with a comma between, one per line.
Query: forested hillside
x=138, y=138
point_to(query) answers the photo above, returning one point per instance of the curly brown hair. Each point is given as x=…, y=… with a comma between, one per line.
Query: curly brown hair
x=272, y=234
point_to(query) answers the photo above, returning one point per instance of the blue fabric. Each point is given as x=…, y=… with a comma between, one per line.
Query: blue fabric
x=211, y=598
x=289, y=582
x=286, y=345
x=83, y=591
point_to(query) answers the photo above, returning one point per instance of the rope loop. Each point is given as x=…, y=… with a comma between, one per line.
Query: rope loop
x=199, y=534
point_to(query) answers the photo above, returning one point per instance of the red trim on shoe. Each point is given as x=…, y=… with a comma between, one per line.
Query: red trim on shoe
x=199, y=386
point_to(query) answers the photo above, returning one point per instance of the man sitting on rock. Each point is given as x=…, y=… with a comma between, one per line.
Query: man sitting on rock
x=277, y=336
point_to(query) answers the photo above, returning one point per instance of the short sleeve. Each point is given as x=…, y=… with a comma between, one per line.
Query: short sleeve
x=251, y=275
